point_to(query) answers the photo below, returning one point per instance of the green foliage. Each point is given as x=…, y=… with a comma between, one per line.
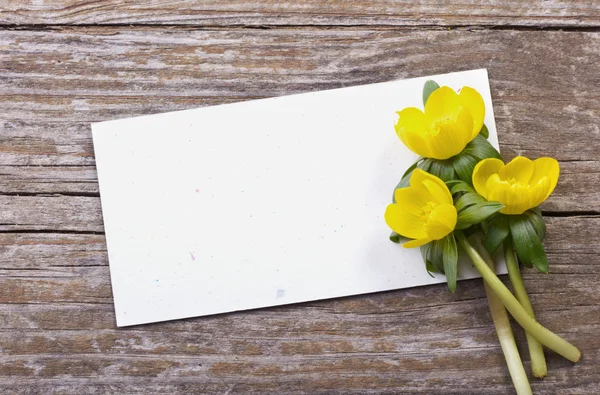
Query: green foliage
x=428, y=89
x=480, y=148
x=457, y=186
x=459, y=166
x=535, y=217
x=484, y=132
x=527, y=242
x=442, y=169
x=441, y=256
x=463, y=165
x=430, y=268
x=468, y=199
x=436, y=255
x=497, y=231
x=476, y=213
x=450, y=259
x=397, y=238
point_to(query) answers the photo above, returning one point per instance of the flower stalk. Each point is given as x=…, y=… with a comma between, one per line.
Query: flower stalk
x=505, y=333
x=536, y=352
x=542, y=334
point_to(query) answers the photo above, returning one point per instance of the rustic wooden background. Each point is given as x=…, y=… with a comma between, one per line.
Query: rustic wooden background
x=66, y=63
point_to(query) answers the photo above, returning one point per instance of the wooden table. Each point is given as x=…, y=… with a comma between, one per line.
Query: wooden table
x=67, y=63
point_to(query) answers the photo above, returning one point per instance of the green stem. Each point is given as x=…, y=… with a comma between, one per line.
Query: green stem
x=536, y=352
x=545, y=336
x=505, y=334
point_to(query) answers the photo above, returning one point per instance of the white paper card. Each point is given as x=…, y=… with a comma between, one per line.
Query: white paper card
x=260, y=203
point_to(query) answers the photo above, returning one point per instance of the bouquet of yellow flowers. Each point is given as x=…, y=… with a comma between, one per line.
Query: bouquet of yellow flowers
x=460, y=193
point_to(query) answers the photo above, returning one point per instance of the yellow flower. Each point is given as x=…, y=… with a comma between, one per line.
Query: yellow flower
x=423, y=211
x=520, y=185
x=449, y=123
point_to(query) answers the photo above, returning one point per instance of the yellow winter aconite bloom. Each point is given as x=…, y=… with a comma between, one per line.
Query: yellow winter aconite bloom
x=449, y=123
x=520, y=185
x=424, y=211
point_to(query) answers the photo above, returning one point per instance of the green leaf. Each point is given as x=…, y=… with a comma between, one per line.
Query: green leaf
x=398, y=238
x=430, y=268
x=468, y=199
x=536, y=219
x=428, y=89
x=425, y=164
x=442, y=169
x=436, y=255
x=476, y=213
x=463, y=165
x=425, y=251
x=462, y=226
x=527, y=243
x=484, y=131
x=460, y=186
x=450, y=261
x=497, y=231
x=470, y=231
x=480, y=148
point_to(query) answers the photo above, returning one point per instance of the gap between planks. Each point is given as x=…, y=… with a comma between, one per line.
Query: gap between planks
x=240, y=27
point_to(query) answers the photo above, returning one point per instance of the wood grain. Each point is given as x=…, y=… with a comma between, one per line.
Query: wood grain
x=29, y=262
x=57, y=323
x=228, y=14
x=70, y=79
x=57, y=328
x=66, y=198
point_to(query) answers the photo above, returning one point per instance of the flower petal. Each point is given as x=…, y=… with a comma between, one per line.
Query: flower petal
x=442, y=221
x=404, y=222
x=411, y=127
x=519, y=169
x=483, y=171
x=413, y=199
x=474, y=102
x=451, y=123
x=440, y=101
x=545, y=167
x=416, y=243
x=434, y=185
x=540, y=191
x=515, y=198
x=453, y=133
x=492, y=183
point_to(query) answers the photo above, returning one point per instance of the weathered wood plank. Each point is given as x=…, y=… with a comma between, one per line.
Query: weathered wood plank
x=314, y=12
x=77, y=180
x=71, y=78
x=64, y=213
x=383, y=335
x=70, y=272
x=279, y=348
x=572, y=243
x=388, y=373
x=336, y=373
x=25, y=251
x=57, y=327
x=578, y=178
x=84, y=213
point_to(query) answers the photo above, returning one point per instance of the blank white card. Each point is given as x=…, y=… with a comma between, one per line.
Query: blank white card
x=260, y=203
